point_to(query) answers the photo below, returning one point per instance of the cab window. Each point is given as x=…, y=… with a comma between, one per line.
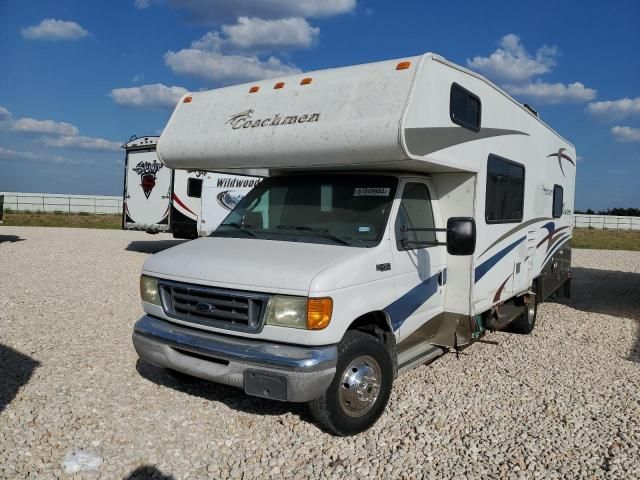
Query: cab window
x=414, y=213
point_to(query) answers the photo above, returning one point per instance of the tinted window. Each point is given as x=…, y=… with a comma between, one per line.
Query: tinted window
x=464, y=108
x=194, y=187
x=331, y=209
x=505, y=191
x=414, y=212
x=558, y=201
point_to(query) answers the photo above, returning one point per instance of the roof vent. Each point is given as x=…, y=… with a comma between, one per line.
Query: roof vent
x=531, y=109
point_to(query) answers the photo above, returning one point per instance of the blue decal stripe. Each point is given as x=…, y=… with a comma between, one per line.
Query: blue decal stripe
x=561, y=242
x=487, y=265
x=408, y=303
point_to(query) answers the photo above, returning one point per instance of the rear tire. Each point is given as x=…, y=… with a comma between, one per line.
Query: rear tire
x=360, y=389
x=525, y=323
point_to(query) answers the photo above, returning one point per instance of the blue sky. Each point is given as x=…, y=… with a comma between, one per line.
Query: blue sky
x=79, y=78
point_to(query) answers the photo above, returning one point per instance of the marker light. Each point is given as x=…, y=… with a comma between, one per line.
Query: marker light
x=187, y=99
x=278, y=85
x=319, y=312
x=306, y=81
x=254, y=89
x=403, y=65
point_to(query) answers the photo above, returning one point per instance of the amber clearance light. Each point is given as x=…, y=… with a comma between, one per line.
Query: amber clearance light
x=319, y=313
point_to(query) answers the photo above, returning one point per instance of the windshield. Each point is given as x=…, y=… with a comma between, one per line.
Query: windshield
x=340, y=209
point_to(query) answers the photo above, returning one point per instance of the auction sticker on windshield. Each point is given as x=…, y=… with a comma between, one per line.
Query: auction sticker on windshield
x=371, y=192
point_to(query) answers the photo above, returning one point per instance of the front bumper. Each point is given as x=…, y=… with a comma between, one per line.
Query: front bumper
x=264, y=369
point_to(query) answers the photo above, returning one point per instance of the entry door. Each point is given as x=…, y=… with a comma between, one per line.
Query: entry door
x=419, y=270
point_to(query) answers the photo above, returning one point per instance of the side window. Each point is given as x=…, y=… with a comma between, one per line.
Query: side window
x=558, y=201
x=414, y=212
x=464, y=108
x=194, y=187
x=505, y=191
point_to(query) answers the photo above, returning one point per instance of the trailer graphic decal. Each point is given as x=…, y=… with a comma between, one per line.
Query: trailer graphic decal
x=245, y=119
x=147, y=172
x=423, y=141
x=562, y=156
x=408, y=303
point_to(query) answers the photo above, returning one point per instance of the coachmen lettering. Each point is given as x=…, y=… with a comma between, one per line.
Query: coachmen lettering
x=245, y=120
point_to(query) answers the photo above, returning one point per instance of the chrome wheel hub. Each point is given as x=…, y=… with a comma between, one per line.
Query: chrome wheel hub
x=360, y=386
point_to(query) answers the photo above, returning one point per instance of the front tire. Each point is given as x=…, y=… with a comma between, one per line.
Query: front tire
x=360, y=389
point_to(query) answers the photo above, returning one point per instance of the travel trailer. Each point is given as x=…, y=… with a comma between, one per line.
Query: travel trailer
x=159, y=199
x=411, y=206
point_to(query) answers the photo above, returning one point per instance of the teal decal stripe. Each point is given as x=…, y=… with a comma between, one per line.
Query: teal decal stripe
x=408, y=303
x=487, y=265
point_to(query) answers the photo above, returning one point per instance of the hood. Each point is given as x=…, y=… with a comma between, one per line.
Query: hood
x=247, y=264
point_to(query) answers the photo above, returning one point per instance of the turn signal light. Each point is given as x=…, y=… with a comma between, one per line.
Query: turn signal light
x=187, y=99
x=278, y=85
x=306, y=81
x=254, y=89
x=319, y=313
x=403, y=65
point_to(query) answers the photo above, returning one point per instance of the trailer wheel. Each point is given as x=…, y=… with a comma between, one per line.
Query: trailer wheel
x=360, y=389
x=524, y=323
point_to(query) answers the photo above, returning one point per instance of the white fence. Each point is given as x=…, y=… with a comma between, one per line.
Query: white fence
x=51, y=202
x=606, y=222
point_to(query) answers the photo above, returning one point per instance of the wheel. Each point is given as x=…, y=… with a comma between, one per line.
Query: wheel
x=524, y=323
x=360, y=389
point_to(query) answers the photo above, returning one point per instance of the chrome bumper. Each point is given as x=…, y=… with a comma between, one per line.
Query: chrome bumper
x=270, y=370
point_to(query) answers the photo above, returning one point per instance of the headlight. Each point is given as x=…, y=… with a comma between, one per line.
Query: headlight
x=149, y=290
x=287, y=311
x=299, y=312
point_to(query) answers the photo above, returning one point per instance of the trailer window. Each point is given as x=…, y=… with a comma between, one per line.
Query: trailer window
x=194, y=187
x=464, y=108
x=505, y=191
x=414, y=212
x=558, y=201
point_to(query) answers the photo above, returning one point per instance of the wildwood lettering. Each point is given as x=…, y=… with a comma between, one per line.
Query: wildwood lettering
x=246, y=120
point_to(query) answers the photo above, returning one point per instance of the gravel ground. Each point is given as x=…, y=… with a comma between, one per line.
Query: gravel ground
x=563, y=402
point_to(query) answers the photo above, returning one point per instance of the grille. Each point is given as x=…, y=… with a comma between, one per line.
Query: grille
x=215, y=307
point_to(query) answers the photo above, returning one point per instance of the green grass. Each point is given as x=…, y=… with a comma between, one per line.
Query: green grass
x=605, y=239
x=59, y=219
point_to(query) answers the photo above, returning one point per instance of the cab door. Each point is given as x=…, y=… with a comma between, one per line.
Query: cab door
x=418, y=268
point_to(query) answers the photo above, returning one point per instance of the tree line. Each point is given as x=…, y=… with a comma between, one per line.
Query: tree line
x=622, y=212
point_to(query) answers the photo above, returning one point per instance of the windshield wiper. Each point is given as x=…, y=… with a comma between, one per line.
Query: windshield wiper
x=242, y=228
x=320, y=231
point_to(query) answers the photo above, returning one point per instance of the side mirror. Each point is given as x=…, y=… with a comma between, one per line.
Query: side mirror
x=461, y=236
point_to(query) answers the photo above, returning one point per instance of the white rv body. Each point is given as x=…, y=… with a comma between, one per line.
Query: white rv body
x=147, y=188
x=397, y=122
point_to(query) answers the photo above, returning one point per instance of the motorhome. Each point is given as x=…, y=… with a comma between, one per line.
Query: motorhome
x=411, y=206
x=185, y=202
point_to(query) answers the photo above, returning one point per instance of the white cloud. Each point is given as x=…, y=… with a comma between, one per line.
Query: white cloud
x=216, y=66
x=14, y=155
x=141, y=4
x=256, y=33
x=31, y=125
x=625, y=134
x=615, y=109
x=553, y=93
x=220, y=11
x=5, y=115
x=80, y=142
x=53, y=29
x=148, y=96
x=512, y=63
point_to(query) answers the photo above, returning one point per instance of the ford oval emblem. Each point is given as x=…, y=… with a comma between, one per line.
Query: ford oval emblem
x=205, y=307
